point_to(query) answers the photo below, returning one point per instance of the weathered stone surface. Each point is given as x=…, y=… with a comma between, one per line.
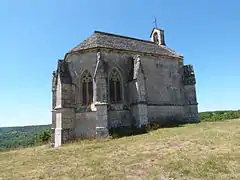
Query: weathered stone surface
x=139, y=103
x=102, y=132
x=119, y=118
x=64, y=126
x=85, y=124
x=101, y=118
x=165, y=114
x=67, y=134
x=188, y=75
x=58, y=137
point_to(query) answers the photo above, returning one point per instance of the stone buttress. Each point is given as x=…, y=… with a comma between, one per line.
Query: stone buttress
x=139, y=101
x=54, y=83
x=191, y=106
x=63, y=108
x=100, y=97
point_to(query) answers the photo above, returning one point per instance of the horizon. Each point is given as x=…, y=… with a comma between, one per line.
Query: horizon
x=29, y=125
x=36, y=34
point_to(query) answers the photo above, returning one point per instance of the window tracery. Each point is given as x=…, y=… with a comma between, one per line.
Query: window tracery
x=115, y=87
x=86, y=88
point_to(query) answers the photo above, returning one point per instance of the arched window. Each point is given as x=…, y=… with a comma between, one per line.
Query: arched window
x=86, y=88
x=115, y=87
x=155, y=38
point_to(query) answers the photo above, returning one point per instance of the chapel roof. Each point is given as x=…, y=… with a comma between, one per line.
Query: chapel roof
x=113, y=41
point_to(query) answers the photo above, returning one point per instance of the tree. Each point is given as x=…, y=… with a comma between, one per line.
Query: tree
x=44, y=136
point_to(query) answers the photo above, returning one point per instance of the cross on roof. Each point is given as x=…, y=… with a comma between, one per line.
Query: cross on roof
x=155, y=22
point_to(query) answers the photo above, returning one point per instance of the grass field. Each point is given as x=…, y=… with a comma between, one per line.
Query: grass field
x=209, y=150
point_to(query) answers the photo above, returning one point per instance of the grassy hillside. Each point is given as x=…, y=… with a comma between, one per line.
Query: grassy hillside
x=209, y=150
x=15, y=137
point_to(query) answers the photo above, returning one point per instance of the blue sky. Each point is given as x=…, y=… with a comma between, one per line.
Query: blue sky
x=35, y=34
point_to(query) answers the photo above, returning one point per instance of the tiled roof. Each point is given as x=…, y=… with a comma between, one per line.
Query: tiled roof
x=113, y=41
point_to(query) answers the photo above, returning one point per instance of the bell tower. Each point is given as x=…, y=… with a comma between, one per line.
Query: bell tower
x=157, y=36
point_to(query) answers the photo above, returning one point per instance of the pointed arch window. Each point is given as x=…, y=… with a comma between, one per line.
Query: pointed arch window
x=115, y=87
x=86, y=88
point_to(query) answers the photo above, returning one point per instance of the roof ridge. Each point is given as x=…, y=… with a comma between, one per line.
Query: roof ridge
x=108, y=40
x=171, y=50
x=127, y=37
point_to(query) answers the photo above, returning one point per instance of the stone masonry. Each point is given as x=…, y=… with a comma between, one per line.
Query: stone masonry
x=111, y=81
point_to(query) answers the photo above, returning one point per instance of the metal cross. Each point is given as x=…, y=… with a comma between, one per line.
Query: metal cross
x=155, y=22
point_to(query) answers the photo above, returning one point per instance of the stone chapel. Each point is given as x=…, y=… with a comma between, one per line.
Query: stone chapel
x=111, y=81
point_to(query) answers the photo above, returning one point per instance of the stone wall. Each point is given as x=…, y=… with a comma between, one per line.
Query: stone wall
x=87, y=61
x=163, y=81
x=119, y=118
x=58, y=93
x=191, y=113
x=165, y=93
x=191, y=108
x=101, y=120
x=67, y=135
x=190, y=94
x=65, y=118
x=163, y=74
x=53, y=127
x=120, y=62
x=100, y=89
x=139, y=115
x=78, y=63
x=68, y=118
x=67, y=95
x=85, y=124
x=165, y=114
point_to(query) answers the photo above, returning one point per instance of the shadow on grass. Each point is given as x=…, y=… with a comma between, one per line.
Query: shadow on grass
x=124, y=131
x=133, y=131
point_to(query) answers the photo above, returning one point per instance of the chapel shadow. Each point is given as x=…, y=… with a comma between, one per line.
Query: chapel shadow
x=133, y=131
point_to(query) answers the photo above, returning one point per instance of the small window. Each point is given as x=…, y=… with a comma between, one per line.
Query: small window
x=87, y=88
x=131, y=70
x=115, y=87
x=155, y=38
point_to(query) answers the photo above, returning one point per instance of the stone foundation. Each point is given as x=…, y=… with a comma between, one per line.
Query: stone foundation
x=165, y=114
x=101, y=120
x=102, y=132
x=58, y=135
x=67, y=135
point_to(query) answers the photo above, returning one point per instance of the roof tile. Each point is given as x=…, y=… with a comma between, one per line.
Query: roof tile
x=113, y=41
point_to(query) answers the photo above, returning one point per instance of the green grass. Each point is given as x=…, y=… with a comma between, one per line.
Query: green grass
x=208, y=150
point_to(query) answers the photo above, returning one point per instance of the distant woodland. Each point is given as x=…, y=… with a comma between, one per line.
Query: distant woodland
x=25, y=136
x=18, y=137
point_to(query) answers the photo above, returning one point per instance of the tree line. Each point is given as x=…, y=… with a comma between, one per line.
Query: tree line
x=26, y=136
x=219, y=115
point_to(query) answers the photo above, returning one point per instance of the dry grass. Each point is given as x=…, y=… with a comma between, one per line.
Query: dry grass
x=196, y=151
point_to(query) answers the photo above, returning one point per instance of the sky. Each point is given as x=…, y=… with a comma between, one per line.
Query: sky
x=35, y=34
